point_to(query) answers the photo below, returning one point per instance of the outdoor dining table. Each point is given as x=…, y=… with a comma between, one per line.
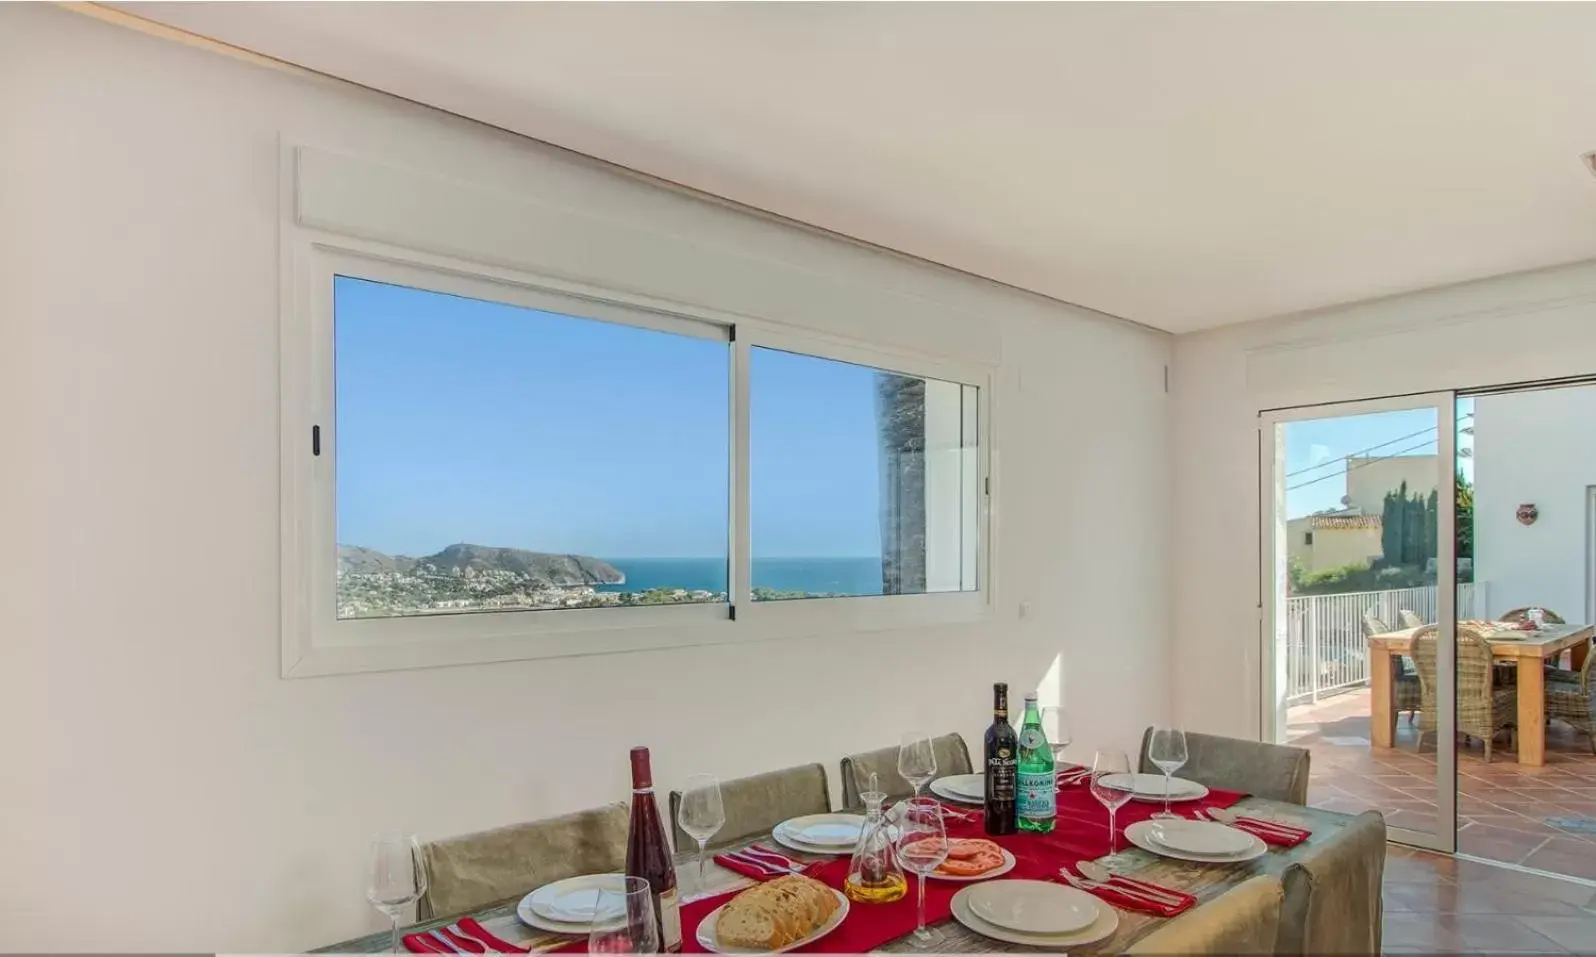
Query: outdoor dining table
x=1530, y=649
x=1203, y=881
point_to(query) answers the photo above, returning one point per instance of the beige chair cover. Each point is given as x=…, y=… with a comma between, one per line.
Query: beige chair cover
x=468, y=872
x=953, y=757
x=1332, y=901
x=756, y=804
x=1244, y=920
x=1274, y=771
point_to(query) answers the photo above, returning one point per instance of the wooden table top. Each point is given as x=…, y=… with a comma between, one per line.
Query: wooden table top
x=1505, y=643
x=1205, y=881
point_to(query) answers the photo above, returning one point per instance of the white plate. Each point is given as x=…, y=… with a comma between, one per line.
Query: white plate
x=1104, y=926
x=1001, y=869
x=1150, y=787
x=824, y=830
x=539, y=908
x=965, y=787
x=1032, y=907
x=1139, y=834
x=1200, y=837
x=706, y=930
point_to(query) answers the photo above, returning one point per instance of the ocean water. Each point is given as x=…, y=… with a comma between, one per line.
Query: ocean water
x=845, y=576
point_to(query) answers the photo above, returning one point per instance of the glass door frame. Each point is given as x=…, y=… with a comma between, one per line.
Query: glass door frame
x=1272, y=572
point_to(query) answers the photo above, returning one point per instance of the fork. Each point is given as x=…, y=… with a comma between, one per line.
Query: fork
x=773, y=859
x=1134, y=893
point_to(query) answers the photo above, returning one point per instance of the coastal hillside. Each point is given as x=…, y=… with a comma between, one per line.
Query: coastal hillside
x=543, y=568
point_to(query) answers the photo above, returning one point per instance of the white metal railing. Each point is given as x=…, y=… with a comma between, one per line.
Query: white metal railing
x=1325, y=647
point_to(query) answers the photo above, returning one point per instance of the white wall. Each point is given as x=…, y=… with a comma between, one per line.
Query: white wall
x=164, y=788
x=1515, y=328
x=1534, y=447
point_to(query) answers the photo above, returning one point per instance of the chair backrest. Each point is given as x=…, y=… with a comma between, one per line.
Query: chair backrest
x=1473, y=665
x=1243, y=920
x=1520, y=614
x=1278, y=772
x=953, y=757
x=758, y=803
x=1409, y=619
x=467, y=872
x=1373, y=626
x=1332, y=903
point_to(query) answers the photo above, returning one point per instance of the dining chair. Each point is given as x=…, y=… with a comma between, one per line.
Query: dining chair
x=1332, y=893
x=1485, y=707
x=467, y=872
x=757, y=803
x=1404, y=674
x=1571, y=698
x=1278, y=772
x=1243, y=920
x=1517, y=615
x=953, y=757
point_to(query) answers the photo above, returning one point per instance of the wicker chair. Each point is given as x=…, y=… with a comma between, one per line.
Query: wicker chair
x=1573, y=699
x=1520, y=614
x=1404, y=675
x=1483, y=708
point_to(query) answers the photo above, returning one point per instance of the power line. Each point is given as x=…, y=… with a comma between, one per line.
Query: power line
x=1354, y=468
x=1371, y=448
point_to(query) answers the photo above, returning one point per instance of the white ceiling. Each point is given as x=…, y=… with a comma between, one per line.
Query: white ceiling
x=1181, y=165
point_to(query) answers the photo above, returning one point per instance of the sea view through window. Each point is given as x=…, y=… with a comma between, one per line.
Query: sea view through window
x=492, y=457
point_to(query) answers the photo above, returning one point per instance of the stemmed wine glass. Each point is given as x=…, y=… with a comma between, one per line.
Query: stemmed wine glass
x=1104, y=764
x=395, y=878
x=921, y=843
x=623, y=919
x=702, y=814
x=917, y=760
x=1056, y=725
x=1167, y=749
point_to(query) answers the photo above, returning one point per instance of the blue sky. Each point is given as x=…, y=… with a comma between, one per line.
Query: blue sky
x=467, y=421
x=1316, y=450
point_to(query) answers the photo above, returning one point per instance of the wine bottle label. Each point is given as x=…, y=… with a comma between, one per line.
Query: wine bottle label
x=1000, y=774
x=1036, y=799
x=670, y=921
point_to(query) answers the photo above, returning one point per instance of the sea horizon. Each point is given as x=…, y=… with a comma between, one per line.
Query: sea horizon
x=843, y=575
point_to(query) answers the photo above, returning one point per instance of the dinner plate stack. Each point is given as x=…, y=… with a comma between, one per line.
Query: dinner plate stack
x=1150, y=787
x=1203, y=841
x=1035, y=913
x=961, y=788
x=820, y=833
x=568, y=906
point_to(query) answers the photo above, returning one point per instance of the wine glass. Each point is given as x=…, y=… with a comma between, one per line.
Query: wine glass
x=921, y=843
x=623, y=919
x=396, y=877
x=701, y=814
x=1104, y=764
x=1056, y=725
x=1167, y=749
x=917, y=760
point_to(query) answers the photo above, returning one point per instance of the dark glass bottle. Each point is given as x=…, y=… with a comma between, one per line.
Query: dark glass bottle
x=648, y=855
x=1002, y=759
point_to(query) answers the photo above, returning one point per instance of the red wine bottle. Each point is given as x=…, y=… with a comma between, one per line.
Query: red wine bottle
x=649, y=857
x=1002, y=760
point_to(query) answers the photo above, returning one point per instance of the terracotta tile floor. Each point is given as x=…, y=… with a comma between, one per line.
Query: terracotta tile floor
x=1437, y=904
x=1539, y=817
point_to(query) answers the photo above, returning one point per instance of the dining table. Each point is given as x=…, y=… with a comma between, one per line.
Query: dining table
x=1529, y=650
x=1204, y=881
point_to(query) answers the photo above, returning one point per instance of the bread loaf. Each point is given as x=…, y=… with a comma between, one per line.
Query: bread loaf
x=774, y=914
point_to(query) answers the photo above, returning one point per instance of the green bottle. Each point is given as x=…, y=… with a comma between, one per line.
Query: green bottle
x=1035, y=798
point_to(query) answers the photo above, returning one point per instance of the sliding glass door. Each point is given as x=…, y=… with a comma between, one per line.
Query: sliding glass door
x=1358, y=606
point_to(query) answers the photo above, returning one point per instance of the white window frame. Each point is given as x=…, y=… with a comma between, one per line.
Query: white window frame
x=316, y=642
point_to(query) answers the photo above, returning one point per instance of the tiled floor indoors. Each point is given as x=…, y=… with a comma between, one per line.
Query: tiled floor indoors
x=1539, y=817
x=1438, y=905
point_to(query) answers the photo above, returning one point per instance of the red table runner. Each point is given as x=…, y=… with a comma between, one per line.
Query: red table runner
x=1080, y=833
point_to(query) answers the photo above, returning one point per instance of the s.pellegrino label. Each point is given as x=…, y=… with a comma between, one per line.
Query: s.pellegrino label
x=1035, y=799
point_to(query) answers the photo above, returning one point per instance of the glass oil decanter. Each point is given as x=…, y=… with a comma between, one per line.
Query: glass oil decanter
x=873, y=874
